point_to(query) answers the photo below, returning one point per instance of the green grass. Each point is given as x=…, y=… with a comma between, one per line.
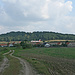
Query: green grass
x=50, y=61
x=14, y=66
x=39, y=65
x=54, y=52
x=2, y=51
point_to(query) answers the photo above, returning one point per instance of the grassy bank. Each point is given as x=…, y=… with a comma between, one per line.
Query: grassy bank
x=50, y=61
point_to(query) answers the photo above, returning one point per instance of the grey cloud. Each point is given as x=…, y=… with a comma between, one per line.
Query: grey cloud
x=36, y=15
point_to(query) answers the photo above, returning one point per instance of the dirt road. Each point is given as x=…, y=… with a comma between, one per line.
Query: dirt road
x=26, y=68
x=4, y=64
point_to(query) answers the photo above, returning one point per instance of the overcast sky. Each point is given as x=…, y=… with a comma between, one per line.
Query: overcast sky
x=37, y=15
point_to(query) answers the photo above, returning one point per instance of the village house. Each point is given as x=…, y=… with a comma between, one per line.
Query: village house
x=7, y=45
x=3, y=45
x=71, y=44
x=59, y=43
x=35, y=42
x=47, y=45
x=53, y=43
x=11, y=45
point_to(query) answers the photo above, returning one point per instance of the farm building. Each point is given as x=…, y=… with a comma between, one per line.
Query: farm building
x=35, y=42
x=47, y=45
x=72, y=44
x=11, y=45
x=3, y=45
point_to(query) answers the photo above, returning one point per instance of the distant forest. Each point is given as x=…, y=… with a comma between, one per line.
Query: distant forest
x=21, y=36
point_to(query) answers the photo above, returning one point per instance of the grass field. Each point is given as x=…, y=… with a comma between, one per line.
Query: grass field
x=50, y=61
x=47, y=61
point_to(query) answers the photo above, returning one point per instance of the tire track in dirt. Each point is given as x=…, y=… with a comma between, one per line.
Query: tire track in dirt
x=4, y=63
x=26, y=68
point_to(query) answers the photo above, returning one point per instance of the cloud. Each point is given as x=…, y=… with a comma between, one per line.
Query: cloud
x=1, y=28
x=32, y=15
x=10, y=1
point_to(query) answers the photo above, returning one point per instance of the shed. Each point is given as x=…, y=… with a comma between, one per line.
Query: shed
x=47, y=45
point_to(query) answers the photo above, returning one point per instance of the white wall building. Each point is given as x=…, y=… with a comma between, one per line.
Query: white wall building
x=47, y=45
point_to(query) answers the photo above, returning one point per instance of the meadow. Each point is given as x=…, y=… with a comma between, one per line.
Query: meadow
x=50, y=61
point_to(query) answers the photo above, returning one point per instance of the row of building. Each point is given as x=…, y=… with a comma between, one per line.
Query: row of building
x=46, y=44
x=49, y=44
x=9, y=44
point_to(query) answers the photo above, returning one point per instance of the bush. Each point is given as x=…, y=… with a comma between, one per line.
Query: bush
x=37, y=45
x=24, y=46
x=64, y=45
x=17, y=45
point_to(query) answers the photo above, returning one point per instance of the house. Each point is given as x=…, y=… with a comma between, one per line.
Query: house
x=35, y=42
x=71, y=44
x=47, y=45
x=3, y=45
x=53, y=43
x=11, y=44
x=59, y=43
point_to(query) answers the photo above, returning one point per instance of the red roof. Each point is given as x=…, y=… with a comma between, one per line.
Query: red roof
x=67, y=43
x=19, y=41
x=3, y=44
x=59, y=43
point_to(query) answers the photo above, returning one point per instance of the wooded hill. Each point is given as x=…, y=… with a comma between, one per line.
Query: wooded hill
x=20, y=36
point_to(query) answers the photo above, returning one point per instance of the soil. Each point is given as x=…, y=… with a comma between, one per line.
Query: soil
x=4, y=65
x=26, y=68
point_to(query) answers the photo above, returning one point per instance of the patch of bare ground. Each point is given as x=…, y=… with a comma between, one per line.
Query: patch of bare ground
x=55, y=65
x=4, y=64
x=26, y=68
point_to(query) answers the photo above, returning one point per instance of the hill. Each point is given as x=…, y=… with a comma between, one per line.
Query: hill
x=20, y=36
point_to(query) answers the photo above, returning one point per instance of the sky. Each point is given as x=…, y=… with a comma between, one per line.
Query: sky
x=37, y=15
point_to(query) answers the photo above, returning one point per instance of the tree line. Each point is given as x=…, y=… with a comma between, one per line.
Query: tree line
x=44, y=35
